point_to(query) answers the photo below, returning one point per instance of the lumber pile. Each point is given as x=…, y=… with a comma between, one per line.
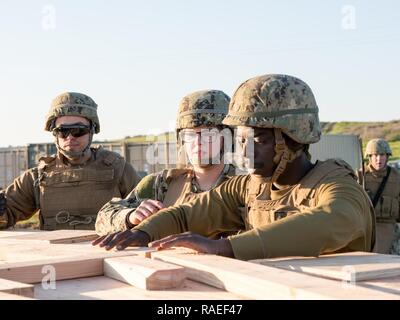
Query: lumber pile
x=29, y=261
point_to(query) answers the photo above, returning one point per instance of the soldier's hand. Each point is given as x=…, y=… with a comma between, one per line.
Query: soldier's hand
x=123, y=239
x=196, y=242
x=145, y=210
x=3, y=203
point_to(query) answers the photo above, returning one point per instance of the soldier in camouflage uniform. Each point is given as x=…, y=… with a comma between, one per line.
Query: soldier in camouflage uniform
x=382, y=184
x=198, y=126
x=69, y=188
x=292, y=207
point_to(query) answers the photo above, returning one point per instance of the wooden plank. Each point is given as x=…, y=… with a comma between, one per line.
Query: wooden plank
x=353, y=266
x=109, y=289
x=144, y=273
x=9, y=296
x=58, y=236
x=13, y=233
x=81, y=265
x=389, y=285
x=262, y=282
x=21, y=251
x=16, y=288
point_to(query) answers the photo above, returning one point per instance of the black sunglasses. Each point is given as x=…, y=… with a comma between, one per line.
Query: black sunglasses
x=75, y=131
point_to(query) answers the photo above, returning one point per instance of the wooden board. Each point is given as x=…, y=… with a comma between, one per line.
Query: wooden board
x=262, y=282
x=86, y=264
x=12, y=251
x=354, y=266
x=110, y=289
x=58, y=236
x=9, y=296
x=16, y=288
x=389, y=285
x=144, y=273
x=13, y=233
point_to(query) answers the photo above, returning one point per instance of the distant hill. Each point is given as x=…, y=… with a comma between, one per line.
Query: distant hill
x=366, y=130
x=389, y=131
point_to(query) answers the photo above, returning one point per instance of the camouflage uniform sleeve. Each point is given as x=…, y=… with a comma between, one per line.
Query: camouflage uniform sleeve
x=342, y=215
x=129, y=180
x=20, y=200
x=112, y=217
x=210, y=214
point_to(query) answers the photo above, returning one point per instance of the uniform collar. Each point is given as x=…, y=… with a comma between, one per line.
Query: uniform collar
x=195, y=187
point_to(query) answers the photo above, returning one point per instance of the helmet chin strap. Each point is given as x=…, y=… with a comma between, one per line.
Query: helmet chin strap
x=283, y=155
x=75, y=155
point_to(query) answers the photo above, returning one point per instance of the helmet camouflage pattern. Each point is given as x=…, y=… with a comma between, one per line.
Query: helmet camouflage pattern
x=202, y=108
x=73, y=104
x=276, y=101
x=377, y=146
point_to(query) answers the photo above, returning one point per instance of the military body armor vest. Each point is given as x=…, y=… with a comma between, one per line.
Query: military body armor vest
x=70, y=197
x=387, y=208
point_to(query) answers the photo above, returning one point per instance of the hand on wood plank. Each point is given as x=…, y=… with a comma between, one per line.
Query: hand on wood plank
x=123, y=239
x=221, y=247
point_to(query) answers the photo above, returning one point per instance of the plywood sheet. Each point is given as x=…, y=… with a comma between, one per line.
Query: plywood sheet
x=67, y=261
x=12, y=251
x=9, y=296
x=354, y=266
x=16, y=288
x=58, y=236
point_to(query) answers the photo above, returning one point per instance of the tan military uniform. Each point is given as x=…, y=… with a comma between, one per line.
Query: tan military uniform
x=326, y=212
x=171, y=187
x=67, y=196
x=387, y=208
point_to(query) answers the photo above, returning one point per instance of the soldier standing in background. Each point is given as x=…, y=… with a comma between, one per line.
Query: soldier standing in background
x=70, y=187
x=382, y=184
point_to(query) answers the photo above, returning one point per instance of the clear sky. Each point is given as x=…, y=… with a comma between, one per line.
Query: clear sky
x=137, y=59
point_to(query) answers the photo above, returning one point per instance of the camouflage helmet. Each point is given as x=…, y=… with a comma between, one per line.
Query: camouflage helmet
x=276, y=101
x=73, y=104
x=377, y=146
x=202, y=108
